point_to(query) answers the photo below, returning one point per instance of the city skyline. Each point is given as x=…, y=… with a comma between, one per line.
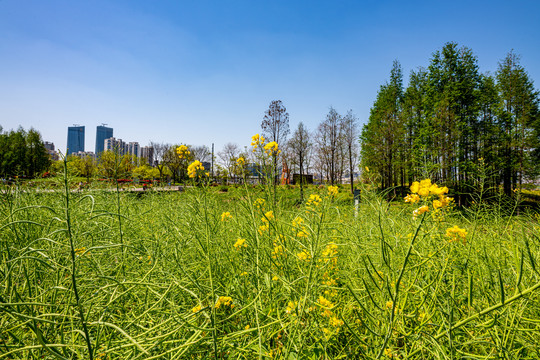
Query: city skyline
x=205, y=72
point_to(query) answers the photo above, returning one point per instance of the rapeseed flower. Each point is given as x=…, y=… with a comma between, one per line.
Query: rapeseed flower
x=240, y=161
x=195, y=168
x=420, y=211
x=268, y=216
x=314, y=199
x=272, y=148
x=412, y=198
x=225, y=301
x=226, y=216
x=456, y=234
x=256, y=141
x=183, y=152
x=333, y=190
x=304, y=255
x=196, y=309
x=259, y=203
x=240, y=243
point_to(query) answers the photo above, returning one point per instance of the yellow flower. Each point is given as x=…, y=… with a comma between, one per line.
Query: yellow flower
x=259, y=203
x=196, y=309
x=275, y=278
x=304, y=255
x=243, y=273
x=420, y=211
x=455, y=234
x=302, y=234
x=256, y=140
x=240, y=243
x=225, y=301
x=388, y=352
x=437, y=204
x=240, y=161
x=335, y=321
x=415, y=186
x=183, y=151
x=272, y=148
x=268, y=216
x=389, y=304
x=226, y=216
x=314, y=199
x=412, y=198
x=195, y=169
x=80, y=251
x=367, y=169
x=332, y=190
x=263, y=228
x=291, y=306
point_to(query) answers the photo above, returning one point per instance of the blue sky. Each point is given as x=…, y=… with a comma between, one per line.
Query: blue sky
x=203, y=72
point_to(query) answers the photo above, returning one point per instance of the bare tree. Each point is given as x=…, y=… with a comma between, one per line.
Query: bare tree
x=300, y=147
x=351, y=141
x=228, y=156
x=159, y=152
x=275, y=126
x=329, y=145
x=201, y=153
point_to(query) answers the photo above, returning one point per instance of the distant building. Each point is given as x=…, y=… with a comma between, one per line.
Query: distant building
x=147, y=152
x=133, y=148
x=75, y=139
x=102, y=133
x=83, y=154
x=113, y=144
x=49, y=146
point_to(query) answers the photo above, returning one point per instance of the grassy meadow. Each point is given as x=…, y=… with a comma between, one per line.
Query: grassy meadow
x=251, y=273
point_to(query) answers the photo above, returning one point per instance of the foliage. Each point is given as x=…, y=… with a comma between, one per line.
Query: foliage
x=22, y=153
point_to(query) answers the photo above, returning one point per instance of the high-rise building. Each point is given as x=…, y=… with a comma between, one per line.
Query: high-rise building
x=102, y=133
x=133, y=148
x=75, y=139
x=113, y=144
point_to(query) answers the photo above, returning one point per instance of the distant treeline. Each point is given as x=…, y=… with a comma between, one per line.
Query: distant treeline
x=22, y=153
x=455, y=124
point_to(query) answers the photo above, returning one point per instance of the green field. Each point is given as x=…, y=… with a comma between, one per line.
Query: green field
x=106, y=275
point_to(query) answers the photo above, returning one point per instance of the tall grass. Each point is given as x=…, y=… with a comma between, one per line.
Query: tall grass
x=114, y=275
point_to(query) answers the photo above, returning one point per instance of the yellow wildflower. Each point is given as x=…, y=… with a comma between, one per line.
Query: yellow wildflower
x=240, y=243
x=389, y=304
x=194, y=168
x=272, y=148
x=196, y=309
x=291, y=306
x=455, y=234
x=412, y=198
x=183, y=152
x=268, y=216
x=240, y=161
x=437, y=204
x=226, y=216
x=333, y=190
x=259, y=203
x=314, y=199
x=304, y=255
x=256, y=140
x=335, y=321
x=263, y=228
x=225, y=301
x=367, y=169
x=275, y=278
x=388, y=352
x=420, y=211
x=415, y=186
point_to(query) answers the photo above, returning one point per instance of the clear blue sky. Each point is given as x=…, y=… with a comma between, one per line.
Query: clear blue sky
x=203, y=72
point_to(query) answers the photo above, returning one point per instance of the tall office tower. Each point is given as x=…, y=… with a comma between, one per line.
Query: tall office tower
x=75, y=139
x=102, y=133
x=133, y=148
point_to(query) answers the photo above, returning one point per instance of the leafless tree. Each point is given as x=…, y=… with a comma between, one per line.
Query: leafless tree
x=228, y=156
x=275, y=126
x=351, y=142
x=159, y=152
x=329, y=139
x=201, y=153
x=300, y=147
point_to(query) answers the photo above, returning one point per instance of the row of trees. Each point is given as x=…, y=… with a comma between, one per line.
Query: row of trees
x=455, y=124
x=22, y=153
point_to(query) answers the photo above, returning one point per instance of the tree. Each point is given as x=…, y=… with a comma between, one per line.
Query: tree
x=300, y=147
x=329, y=143
x=228, y=156
x=518, y=120
x=201, y=153
x=160, y=150
x=275, y=126
x=350, y=138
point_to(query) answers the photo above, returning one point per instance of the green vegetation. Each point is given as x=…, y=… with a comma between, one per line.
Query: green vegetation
x=22, y=153
x=450, y=118
x=213, y=274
